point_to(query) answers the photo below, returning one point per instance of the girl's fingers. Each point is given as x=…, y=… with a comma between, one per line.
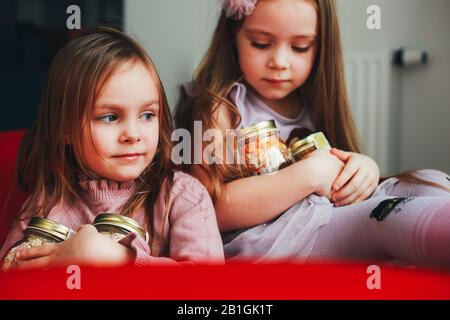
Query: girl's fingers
x=35, y=252
x=347, y=173
x=6, y=266
x=366, y=194
x=366, y=191
x=342, y=155
x=354, y=196
x=38, y=263
x=352, y=187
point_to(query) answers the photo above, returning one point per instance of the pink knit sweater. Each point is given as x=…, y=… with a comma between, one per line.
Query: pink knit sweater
x=190, y=233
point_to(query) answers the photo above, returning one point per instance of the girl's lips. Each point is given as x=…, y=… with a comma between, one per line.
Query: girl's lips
x=129, y=156
x=276, y=82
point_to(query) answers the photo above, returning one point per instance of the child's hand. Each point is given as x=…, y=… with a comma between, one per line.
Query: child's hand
x=87, y=247
x=357, y=181
x=326, y=168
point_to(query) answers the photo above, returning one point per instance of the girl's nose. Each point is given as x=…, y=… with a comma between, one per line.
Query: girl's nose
x=130, y=134
x=279, y=59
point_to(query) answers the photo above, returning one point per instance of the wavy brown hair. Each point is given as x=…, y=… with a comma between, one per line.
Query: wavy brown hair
x=324, y=91
x=48, y=169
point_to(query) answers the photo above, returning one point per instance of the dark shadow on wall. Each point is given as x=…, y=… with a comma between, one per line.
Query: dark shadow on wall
x=31, y=33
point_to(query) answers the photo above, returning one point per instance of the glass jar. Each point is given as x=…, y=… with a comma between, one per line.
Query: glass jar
x=261, y=150
x=40, y=231
x=300, y=149
x=116, y=226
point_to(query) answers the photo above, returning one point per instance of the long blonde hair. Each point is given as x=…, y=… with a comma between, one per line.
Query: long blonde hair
x=324, y=91
x=48, y=169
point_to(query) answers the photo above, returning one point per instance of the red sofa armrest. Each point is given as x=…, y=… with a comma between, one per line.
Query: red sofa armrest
x=11, y=197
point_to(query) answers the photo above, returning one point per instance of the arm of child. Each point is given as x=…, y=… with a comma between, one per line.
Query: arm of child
x=193, y=232
x=254, y=200
x=191, y=236
x=87, y=247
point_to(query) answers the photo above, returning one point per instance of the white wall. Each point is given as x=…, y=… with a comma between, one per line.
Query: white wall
x=177, y=32
x=421, y=107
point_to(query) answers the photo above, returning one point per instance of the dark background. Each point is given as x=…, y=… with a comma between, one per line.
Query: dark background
x=31, y=33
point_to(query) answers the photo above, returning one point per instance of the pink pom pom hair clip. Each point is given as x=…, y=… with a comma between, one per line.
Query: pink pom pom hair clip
x=238, y=9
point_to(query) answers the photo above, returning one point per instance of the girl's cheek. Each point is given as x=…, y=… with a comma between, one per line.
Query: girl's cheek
x=101, y=136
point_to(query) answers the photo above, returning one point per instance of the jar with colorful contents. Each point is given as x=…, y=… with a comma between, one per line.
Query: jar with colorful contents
x=300, y=149
x=116, y=226
x=261, y=150
x=39, y=232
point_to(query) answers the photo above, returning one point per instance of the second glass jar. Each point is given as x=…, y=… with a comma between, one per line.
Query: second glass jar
x=117, y=226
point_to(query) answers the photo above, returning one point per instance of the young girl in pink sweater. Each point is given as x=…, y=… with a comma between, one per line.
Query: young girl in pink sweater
x=101, y=143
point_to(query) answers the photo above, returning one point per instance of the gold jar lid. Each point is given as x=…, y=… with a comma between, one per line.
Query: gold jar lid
x=117, y=220
x=50, y=227
x=299, y=149
x=316, y=140
x=256, y=129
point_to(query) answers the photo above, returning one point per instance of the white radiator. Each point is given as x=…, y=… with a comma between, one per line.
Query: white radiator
x=368, y=77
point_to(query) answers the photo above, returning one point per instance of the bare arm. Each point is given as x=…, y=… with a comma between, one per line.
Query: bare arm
x=254, y=200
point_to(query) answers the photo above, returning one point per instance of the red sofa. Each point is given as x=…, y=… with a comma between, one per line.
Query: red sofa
x=234, y=281
x=11, y=197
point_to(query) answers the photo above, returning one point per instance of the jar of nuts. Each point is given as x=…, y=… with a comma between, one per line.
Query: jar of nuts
x=300, y=149
x=40, y=231
x=261, y=149
x=116, y=226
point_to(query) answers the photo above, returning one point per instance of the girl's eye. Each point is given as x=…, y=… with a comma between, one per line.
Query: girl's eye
x=258, y=45
x=108, y=118
x=146, y=116
x=301, y=49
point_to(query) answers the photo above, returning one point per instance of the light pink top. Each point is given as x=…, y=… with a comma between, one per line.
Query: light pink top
x=253, y=110
x=190, y=233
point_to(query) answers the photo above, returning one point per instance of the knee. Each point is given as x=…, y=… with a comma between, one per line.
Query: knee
x=432, y=174
x=427, y=173
x=437, y=236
